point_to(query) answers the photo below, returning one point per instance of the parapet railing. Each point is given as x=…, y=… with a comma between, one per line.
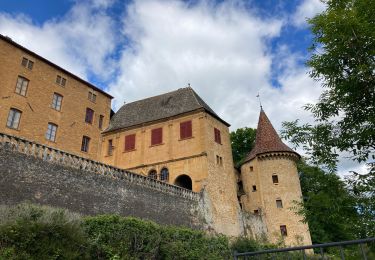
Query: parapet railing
x=63, y=158
x=365, y=251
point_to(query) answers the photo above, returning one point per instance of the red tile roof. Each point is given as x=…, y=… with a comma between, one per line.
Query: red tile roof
x=267, y=140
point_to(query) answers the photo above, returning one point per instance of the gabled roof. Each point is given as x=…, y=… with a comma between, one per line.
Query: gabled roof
x=267, y=140
x=29, y=52
x=163, y=106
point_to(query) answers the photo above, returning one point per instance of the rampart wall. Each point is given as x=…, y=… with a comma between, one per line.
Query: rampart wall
x=40, y=174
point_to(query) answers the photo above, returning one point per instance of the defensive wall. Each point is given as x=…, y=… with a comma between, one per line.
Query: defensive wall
x=41, y=174
x=31, y=172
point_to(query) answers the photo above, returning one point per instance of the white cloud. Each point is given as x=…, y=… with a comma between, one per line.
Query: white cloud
x=81, y=41
x=307, y=9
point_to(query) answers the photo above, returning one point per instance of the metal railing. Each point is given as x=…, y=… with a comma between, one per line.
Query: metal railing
x=363, y=252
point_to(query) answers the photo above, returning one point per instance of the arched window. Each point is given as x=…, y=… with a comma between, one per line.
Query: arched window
x=164, y=174
x=184, y=181
x=153, y=174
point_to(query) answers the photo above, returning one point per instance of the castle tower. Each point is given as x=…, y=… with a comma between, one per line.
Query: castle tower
x=271, y=183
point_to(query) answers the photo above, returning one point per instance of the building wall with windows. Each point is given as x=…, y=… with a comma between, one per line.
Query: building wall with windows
x=44, y=103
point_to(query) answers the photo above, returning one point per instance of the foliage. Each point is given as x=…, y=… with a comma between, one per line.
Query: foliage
x=362, y=188
x=40, y=232
x=343, y=59
x=242, y=140
x=327, y=206
x=244, y=244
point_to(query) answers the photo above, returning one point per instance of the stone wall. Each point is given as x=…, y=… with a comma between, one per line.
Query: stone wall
x=40, y=174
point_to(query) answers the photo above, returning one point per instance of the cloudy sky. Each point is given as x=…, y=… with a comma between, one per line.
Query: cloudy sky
x=229, y=51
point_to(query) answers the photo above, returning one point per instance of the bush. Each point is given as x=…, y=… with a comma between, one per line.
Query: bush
x=39, y=232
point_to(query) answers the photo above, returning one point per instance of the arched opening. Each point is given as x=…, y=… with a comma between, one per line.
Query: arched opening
x=153, y=174
x=164, y=174
x=184, y=181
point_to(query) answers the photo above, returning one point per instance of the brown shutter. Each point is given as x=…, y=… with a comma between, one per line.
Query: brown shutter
x=157, y=136
x=185, y=130
x=130, y=142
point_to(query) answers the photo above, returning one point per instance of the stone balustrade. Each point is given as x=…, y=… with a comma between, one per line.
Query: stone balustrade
x=60, y=157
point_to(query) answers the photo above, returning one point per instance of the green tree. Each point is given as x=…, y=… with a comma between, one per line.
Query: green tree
x=242, y=140
x=343, y=60
x=328, y=206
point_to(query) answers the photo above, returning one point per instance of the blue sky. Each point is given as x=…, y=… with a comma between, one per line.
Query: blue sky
x=228, y=50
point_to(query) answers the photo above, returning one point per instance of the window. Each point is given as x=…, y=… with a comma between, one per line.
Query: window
x=254, y=187
x=275, y=179
x=101, y=119
x=129, y=142
x=27, y=63
x=60, y=81
x=56, y=101
x=221, y=161
x=89, y=115
x=217, y=136
x=157, y=136
x=110, y=147
x=256, y=211
x=186, y=130
x=279, y=203
x=51, y=132
x=92, y=97
x=153, y=174
x=21, y=87
x=251, y=168
x=164, y=175
x=14, y=118
x=283, y=231
x=85, y=144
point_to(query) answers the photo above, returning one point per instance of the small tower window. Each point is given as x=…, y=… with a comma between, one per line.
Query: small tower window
x=279, y=203
x=110, y=147
x=283, y=230
x=275, y=179
x=254, y=188
x=251, y=168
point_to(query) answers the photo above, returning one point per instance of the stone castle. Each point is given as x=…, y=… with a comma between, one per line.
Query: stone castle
x=173, y=144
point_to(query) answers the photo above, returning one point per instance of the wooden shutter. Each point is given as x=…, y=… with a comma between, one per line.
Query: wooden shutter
x=130, y=142
x=156, y=136
x=185, y=130
x=217, y=135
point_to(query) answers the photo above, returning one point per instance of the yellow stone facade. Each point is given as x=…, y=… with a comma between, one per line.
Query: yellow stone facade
x=206, y=162
x=36, y=105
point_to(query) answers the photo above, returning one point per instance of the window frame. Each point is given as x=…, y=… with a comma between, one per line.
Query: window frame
x=153, y=174
x=110, y=147
x=129, y=143
x=89, y=120
x=186, y=129
x=19, y=90
x=51, y=132
x=14, y=112
x=60, y=80
x=279, y=204
x=85, y=145
x=217, y=135
x=27, y=63
x=275, y=179
x=92, y=96
x=283, y=230
x=164, y=176
x=100, y=123
x=157, y=132
x=54, y=104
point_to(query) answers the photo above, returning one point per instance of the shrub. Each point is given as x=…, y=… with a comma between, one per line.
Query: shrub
x=39, y=232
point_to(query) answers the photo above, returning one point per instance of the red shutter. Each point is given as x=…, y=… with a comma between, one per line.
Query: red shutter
x=156, y=136
x=130, y=142
x=185, y=130
x=217, y=135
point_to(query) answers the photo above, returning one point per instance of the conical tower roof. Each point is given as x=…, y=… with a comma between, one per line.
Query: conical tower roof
x=267, y=140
